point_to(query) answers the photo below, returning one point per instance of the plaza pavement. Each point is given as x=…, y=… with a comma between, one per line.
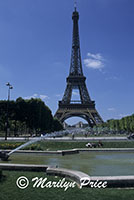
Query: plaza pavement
x=79, y=139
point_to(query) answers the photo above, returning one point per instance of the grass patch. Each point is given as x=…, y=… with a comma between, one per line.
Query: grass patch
x=72, y=145
x=0, y=174
x=9, y=190
x=57, y=145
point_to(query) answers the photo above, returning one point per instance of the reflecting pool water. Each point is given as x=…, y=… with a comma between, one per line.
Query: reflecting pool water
x=92, y=163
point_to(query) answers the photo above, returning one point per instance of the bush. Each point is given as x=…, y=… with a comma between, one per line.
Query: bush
x=33, y=147
x=9, y=145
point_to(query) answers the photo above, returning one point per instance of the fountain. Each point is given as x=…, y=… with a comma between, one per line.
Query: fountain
x=4, y=155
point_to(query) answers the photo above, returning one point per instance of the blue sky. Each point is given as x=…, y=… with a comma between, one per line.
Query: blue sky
x=35, y=51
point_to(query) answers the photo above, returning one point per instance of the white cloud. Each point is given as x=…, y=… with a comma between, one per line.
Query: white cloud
x=34, y=96
x=94, y=61
x=97, y=56
x=43, y=97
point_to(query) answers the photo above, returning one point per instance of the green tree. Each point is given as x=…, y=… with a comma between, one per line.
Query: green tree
x=30, y=115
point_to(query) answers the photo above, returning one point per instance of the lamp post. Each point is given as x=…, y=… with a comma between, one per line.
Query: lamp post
x=7, y=124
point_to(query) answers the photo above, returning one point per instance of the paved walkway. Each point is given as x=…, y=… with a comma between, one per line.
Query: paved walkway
x=82, y=139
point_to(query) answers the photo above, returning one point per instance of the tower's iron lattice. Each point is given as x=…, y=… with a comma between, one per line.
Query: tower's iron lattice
x=85, y=107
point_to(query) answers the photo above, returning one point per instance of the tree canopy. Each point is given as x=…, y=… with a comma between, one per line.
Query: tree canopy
x=120, y=125
x=31, y=115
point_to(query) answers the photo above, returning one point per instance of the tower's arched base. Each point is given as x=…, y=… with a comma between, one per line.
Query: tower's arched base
x=77, y=110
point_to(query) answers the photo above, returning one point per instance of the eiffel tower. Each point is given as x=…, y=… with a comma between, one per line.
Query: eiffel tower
x=85, y=107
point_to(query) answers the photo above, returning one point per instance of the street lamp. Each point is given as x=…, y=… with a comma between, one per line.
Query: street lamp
x=7, y=124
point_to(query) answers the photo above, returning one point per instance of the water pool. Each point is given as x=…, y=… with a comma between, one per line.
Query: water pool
x=92, y=163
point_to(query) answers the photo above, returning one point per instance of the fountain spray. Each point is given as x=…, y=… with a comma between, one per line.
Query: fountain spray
x=4, y=155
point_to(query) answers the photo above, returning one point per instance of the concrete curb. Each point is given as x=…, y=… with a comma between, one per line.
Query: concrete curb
x=71, y=174
x=61, y=152
x=106, y=149
x=74, y=151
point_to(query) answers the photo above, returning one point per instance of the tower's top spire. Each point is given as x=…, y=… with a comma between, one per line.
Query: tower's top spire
x=75, y=5
x=76, y=64
x=75, y=14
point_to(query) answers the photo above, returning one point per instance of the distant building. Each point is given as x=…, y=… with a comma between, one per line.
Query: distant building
x=80, y=125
